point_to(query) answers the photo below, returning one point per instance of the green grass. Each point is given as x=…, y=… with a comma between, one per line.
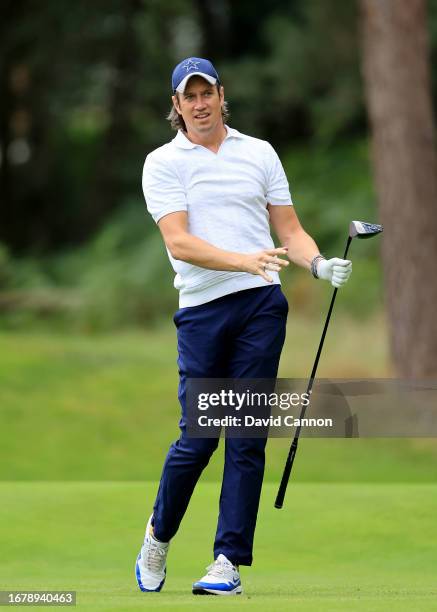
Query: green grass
x=87, y=419
x=76, y=407
x=332, y=547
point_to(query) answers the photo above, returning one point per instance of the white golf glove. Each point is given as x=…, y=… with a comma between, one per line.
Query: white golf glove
x=335, y=270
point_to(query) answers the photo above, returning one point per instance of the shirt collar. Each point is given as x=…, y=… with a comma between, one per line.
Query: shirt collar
x=183, y=142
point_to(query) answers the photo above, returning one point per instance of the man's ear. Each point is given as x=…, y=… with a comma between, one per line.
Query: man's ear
x=176, y=104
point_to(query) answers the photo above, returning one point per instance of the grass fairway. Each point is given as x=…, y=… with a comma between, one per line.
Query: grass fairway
x=75, y=408
x=84, y=420
x=333, y=546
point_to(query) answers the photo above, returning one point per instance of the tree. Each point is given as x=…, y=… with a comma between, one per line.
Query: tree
x=397, y=82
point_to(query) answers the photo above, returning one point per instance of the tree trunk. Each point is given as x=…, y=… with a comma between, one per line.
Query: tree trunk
x=397, y=82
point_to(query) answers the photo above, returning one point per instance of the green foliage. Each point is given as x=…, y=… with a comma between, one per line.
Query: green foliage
x=94, y=91
x=331, y=186
x=306, y=84
x=123, y=276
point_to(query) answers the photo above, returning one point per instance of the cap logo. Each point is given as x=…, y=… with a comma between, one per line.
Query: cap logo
x=190, y=65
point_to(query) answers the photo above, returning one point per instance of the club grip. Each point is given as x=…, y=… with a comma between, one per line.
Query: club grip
x=286, y=476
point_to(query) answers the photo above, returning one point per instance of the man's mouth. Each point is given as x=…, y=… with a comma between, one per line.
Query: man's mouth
x=201, y=116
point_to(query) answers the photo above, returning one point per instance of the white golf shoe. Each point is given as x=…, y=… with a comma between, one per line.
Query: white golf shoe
x=150, y=567
x=222, y=578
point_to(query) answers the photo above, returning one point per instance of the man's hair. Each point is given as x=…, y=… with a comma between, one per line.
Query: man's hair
x=177, y=122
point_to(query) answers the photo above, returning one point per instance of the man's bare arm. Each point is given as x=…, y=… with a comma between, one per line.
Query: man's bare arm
x=301, y=247
x=186, y=247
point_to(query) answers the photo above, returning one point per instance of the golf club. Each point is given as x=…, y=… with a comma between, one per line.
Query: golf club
x=357, y=229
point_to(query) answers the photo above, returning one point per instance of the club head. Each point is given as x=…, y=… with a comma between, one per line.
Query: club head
x=361, y=229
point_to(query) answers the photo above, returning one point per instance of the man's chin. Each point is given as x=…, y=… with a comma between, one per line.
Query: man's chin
x=204, y=126
x=204, y=129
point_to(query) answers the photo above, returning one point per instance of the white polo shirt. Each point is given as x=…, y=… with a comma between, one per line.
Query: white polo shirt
x=226, y=196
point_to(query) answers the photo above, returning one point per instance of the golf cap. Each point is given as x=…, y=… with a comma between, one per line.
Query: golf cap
x=193, y=66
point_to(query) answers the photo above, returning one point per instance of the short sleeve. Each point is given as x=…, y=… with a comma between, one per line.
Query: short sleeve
x=162, y=188
x=278, y=191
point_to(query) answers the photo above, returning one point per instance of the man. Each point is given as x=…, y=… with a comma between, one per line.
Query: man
x=213, y=191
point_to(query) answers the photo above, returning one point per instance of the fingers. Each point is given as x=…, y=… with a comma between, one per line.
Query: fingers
x=268, y=260
x=265, y=276
x=338, y=282
x=278, y=251
x=268, y=265
x=279, y=262
x=273, y=262
x=272, y=267
x=340, y=276
x=336, y=261
x=341, y=272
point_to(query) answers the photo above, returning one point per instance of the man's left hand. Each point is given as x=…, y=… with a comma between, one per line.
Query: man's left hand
x=335, y=270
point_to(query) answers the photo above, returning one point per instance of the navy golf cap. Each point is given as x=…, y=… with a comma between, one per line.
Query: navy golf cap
x=190, y=67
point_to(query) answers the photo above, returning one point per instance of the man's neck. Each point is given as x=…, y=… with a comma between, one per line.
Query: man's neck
x=212, y=140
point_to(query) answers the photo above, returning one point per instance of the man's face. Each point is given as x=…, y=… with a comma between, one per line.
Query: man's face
x=200, y=106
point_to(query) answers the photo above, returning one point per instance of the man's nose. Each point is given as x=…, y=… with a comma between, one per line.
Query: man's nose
x=200, y=103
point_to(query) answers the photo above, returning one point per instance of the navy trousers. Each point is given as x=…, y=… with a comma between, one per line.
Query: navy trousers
x=236, y=336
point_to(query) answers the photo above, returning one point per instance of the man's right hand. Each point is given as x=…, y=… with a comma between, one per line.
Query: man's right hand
x=262, y=261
